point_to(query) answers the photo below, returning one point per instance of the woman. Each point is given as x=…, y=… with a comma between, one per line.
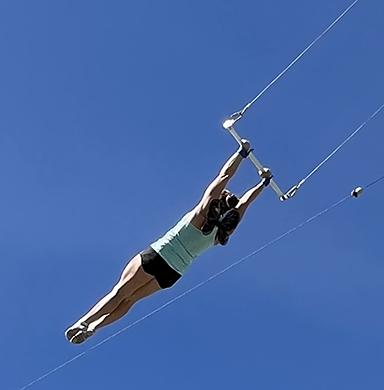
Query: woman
x=210, y=223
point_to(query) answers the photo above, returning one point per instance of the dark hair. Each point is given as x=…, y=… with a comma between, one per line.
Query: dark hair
x=228, y=200
x=222, y=213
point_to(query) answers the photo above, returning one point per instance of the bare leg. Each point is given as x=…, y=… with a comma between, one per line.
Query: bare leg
x=146, y=290
x=132, y=278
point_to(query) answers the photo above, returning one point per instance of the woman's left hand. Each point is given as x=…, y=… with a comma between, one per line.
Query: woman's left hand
x=245, y=148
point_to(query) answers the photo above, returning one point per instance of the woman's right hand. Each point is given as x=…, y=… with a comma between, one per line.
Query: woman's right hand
x=266, y=175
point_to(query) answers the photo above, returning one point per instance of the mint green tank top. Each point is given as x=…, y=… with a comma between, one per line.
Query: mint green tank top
x=182, y=244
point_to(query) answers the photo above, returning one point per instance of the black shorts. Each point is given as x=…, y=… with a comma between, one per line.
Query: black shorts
x=153, y=264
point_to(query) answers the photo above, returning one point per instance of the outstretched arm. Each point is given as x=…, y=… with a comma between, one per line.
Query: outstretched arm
x=226, y=173
x=246, y=200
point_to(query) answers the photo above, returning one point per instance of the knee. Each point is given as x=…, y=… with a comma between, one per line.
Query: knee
x=122, y=290
x=119, y=291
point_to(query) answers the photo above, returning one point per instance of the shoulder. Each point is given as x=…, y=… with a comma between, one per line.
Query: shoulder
x=198, y=216
x=195, y=217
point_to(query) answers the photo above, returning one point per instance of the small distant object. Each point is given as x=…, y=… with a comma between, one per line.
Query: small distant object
x=357, y=192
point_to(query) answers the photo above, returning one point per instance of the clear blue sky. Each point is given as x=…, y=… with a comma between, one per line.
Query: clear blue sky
x=110, y=130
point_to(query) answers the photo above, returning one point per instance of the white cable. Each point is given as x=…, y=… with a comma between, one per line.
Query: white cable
x=282, y=73
x=216, y=275
x=341, y=145
x=182, y=295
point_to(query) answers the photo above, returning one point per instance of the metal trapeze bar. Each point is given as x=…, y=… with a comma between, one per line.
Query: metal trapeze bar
x=256, y=162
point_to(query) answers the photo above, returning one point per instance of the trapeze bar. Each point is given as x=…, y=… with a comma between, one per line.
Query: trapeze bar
x=255, y=161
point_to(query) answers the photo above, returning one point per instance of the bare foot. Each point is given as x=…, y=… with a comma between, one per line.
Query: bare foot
x=71, y=332
x=81, y=336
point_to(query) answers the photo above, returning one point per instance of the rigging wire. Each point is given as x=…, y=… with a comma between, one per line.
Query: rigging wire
x=292, y=191
x=240, y=113
x=201, y=284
